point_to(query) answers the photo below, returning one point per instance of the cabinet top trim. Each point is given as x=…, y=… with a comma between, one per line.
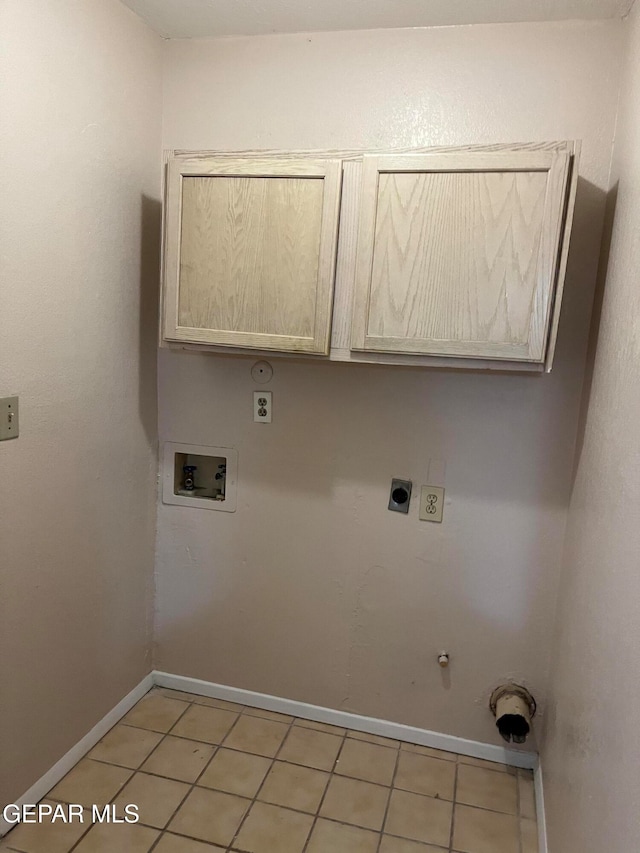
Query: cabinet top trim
x=256, y=167
x=568, y=146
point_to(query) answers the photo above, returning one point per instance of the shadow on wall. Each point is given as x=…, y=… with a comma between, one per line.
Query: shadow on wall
x=588, y=222
x=150, y=243
x=596, y=316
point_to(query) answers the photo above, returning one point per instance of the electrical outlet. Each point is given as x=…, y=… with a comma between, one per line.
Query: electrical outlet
x=431, y=503
x=262, y=407
x=9, y=425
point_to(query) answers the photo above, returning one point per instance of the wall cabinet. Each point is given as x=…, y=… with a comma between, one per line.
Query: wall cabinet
x=442, y=256
x=250, y=248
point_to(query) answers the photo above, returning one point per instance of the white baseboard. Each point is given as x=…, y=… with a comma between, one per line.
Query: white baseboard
x=37, y=791
x=371, y=725
x=543, y=846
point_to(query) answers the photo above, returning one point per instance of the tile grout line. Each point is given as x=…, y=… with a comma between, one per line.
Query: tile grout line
x=331, y=773
x=291, y=724
x=180, y=804
x=160, y=830
x=467, y=806
x=518, y=811
x=217, y=747
x=82, y=836
x=453, y=808
x=136, y=770
x=345, y=738
x=193, y=784
x=259, y=788
x=324, y=793
x=85, y=808
x=391, y=789
x=162, y=739
x=287, y=761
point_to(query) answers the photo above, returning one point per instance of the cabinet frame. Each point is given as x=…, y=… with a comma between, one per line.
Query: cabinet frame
x=329, y=171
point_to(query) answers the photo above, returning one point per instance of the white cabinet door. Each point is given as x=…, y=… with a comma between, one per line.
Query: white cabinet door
x=458, y=253
x=250, y=250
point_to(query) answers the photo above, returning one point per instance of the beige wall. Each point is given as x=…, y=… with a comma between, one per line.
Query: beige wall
x=592, y=743
x=80, y=143
x=312, y=590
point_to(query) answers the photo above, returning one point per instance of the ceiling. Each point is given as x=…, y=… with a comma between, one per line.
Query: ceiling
x=207, y=18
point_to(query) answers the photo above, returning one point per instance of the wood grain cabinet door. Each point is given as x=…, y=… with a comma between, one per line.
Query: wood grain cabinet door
x=250, y=251
x=458, y=253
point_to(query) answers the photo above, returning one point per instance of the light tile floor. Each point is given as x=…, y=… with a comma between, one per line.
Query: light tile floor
x=209, y=776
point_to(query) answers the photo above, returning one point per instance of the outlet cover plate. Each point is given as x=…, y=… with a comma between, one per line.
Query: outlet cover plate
x=262, y=407
x=9, y=422
x=431, y=503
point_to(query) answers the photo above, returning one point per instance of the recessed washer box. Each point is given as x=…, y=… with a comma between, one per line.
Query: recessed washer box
x=199, y=476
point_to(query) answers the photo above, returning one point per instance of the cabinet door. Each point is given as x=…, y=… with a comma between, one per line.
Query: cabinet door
x=458, y=253
x=250, y=252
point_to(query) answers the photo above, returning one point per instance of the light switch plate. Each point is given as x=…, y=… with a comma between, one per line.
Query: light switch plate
x=9, y=423
x=431, y=503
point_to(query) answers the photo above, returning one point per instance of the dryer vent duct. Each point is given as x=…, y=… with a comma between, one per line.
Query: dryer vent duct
x=513, y=707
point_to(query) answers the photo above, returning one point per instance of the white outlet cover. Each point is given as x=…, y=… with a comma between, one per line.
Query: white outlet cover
x=262, y=406
x=431, y=503
x=9, y=420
